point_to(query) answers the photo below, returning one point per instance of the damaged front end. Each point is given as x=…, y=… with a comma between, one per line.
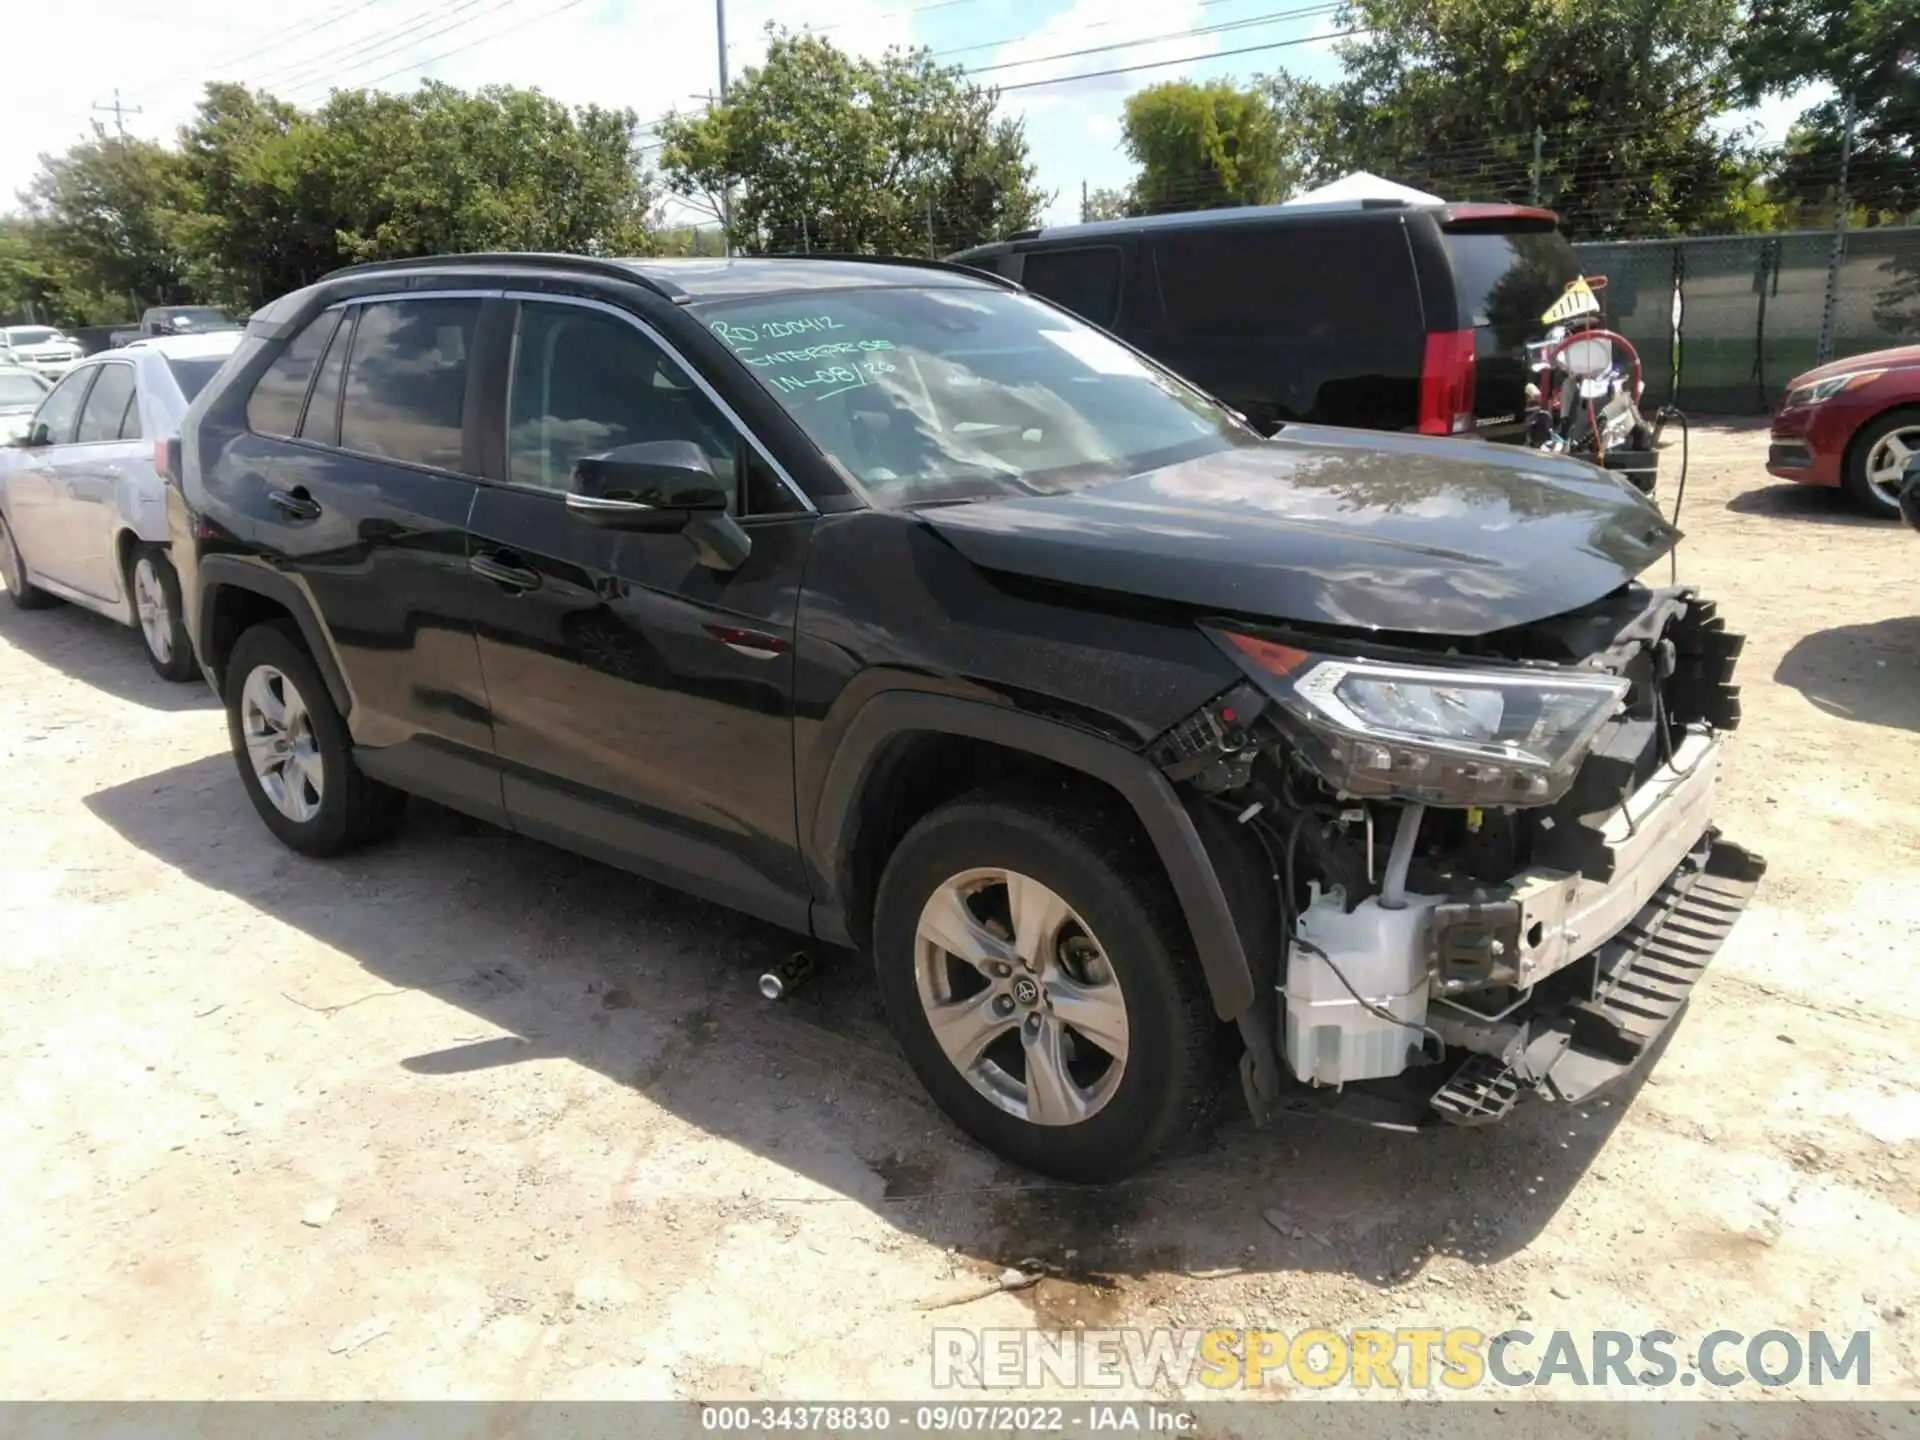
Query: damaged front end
x=1491, y=870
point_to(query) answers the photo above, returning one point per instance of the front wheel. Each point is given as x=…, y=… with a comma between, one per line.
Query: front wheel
x=156, y=610
x=1037, y=972
x=1877, y=459
x=13, y=569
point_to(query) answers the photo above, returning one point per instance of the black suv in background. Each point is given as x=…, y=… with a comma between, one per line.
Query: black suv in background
x=900, y=608
x=1376, y=313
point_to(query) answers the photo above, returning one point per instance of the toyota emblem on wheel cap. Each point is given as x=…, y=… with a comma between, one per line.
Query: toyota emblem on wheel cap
x=1026, y=992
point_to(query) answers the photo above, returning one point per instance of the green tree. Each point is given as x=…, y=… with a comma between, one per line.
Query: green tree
x=1200, y=146
x=1866, y=50
x=1106, y=204
x=1448, y=94
x=819, y=150
x=109, y=225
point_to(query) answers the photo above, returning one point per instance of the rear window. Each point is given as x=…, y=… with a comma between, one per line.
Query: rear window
x=1506, y=279
x=406, y=380
x=1085, y=280
x=1289, y=281
x=192, y=375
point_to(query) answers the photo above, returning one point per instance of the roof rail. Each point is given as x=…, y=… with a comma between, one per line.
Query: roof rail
x=532, y=259
x=907, y=261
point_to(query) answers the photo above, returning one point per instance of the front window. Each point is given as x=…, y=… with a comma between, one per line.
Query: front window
x=20, y=390
x=930, y=395
x=27, y=335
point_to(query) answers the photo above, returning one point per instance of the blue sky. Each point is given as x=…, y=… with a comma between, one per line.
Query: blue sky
x=652, y=55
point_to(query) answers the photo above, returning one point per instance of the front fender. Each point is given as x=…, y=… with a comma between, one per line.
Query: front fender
x=1196, y=884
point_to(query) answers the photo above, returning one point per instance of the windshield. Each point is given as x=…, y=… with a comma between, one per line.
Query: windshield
x=192, y=375
x=202, y=317
x=29, y=335
x=1506, y=279
x=927, y=395
x=19, y=390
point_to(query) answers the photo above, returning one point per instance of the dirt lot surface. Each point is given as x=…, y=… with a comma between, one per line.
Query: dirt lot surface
x=466, y=1116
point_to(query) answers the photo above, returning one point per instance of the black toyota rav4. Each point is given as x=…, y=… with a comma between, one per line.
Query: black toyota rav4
x=900, y=608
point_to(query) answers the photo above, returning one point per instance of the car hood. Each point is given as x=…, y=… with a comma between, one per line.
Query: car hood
x=1899, y=355
x=1339, y=527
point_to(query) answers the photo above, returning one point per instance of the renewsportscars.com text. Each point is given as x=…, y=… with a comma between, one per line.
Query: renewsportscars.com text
x=1459, y=1358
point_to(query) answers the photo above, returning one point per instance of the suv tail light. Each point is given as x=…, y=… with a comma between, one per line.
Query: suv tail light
x=1446, y=383
x=166, y=459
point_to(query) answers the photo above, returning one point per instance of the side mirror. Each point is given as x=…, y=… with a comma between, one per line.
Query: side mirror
x=661, y=486
x=36, y=437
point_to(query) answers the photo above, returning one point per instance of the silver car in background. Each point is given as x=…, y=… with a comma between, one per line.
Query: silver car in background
x=39, y=348
x=21, y=392
x=82, y=497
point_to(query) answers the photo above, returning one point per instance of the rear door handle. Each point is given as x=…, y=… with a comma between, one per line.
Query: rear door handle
x=295, y=502
x=506, y=576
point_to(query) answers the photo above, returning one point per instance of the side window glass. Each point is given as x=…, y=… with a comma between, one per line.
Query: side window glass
x=1086, y=280
x=1318, y=282
x=274, y=406
x=130, y=418
x=585, y=382
x=61, y=408
x=106, y=405
x=321, y=424
x=406, y=380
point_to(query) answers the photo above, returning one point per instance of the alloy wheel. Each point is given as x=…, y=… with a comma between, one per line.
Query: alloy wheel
x=150, y=602
x=285, y=753
x=10, y=562
x=1021, y=997
x=1887, y=463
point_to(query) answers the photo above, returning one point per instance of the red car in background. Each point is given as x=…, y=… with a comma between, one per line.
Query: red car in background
x=1852, y=424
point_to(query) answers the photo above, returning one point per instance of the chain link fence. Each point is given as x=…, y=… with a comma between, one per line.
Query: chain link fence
x=1723, y=322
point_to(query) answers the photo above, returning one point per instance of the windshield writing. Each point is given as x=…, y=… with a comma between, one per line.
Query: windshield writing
x=950, y=394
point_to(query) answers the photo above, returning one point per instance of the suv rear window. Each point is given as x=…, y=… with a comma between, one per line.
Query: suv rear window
x=274, y=406
x=1086, y=280
x=1506, y=279
x=407, y=380
x=1291, y=280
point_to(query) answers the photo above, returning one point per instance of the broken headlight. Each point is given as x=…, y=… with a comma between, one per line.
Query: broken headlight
x=1442, y=736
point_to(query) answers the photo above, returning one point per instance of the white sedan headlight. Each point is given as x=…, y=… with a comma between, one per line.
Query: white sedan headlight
x=1453, y=735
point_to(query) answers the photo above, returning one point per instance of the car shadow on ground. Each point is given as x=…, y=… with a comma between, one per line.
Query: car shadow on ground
x=657, y=991
x=98, y=652
x=1866, y=673
x=1815, y=504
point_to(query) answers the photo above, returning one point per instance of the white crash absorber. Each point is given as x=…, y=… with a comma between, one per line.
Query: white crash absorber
x=1331, y=1037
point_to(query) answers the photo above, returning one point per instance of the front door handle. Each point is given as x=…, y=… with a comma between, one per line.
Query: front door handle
x=503, y=574
x=296, y=503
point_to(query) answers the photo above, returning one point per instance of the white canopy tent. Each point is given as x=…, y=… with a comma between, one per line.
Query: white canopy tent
x=1361, y=185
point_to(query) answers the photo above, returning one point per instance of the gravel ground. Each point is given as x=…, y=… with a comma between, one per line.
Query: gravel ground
x=466, y=1116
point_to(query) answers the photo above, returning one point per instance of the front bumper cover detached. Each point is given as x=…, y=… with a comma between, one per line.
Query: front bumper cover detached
x=1594, y=970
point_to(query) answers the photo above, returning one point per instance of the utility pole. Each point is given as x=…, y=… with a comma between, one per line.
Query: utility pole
x=1830, y=309
x=1083, y=202
x=726, y=196
x=1539, y=143
x=119, y=112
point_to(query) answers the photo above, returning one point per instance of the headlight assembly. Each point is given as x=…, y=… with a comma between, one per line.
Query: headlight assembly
x=1826, y=389
x=1455, y=736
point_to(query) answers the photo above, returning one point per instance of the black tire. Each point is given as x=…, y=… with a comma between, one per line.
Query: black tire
x=178, y=664
x=352, y=809
x=1854, y=481
x=1170, y=1083
x=13, y=570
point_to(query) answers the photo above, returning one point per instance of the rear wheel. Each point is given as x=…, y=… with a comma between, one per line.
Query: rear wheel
x=156, y=607
x=13, y=570
x=1877, y=460
x=1037, y=972
x=293, y=750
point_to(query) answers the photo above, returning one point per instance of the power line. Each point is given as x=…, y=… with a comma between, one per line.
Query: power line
x=484, y=39
x=322, y=70
x=1275, y=18
x=1183, y=60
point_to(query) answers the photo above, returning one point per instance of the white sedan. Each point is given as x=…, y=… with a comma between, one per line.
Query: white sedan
x=82, y=502
x=39, y=348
